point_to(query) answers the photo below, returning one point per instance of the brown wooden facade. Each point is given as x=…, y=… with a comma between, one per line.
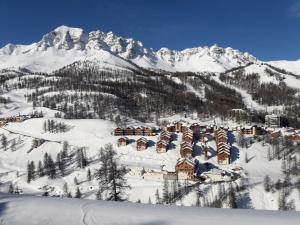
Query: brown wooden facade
x=123, y=141
x=187, y=167
x=141, y=144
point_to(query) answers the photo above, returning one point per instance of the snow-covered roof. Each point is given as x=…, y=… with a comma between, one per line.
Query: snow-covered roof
x=185, y=160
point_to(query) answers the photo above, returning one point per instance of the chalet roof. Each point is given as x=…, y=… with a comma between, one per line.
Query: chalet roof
x=142, y=139
x=183, y=144
x=185, y=160
x=223, y=151
x=125, y=138
x=162, y=142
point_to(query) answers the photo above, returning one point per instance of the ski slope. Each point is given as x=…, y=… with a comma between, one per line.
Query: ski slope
x=56, y=211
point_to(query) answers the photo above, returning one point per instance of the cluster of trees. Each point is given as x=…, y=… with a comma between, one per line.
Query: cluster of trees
x=54, y=126
x=52, y=169
x=88, y=93
x=172, y=192
x=264, y=93
x=284, y=188
x=280, y=147
x=36, y=143
x=223, y=197
x=13, y=143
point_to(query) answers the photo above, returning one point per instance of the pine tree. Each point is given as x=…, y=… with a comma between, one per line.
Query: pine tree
x=81, y=158
x=75, y=181
x=267, y=183
x=52, y=168
x=278, y=184
x=157, y=197
x=89, y=175
x=166, y=192
x=11, y=188
x=46, y=164
x=13, y=145
x=149, y=200
x=60, y=164
x=4, y=142
x=45, y=126
x=30, y=172
x=282, y=202
x=246, y=157
x=78, y=193
x=111, y=176
x=65, y=189
x=64, y=152
x=232, y=199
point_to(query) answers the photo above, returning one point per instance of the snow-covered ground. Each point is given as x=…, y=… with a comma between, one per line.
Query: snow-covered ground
x=23, y=210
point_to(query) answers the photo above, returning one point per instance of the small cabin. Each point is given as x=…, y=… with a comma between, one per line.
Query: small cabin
x=129, y=131
x=249, y=130
x=185, y=169
x=171, y=129
x=147, y=131
x=161, y=146
x=141, y=144
x=293, y=137
x=178, y=127
x=123, y=141
x=165, y=137
x=139, y=131
x=119, y=131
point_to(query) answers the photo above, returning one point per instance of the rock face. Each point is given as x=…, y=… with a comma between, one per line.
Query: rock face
x=65, y=45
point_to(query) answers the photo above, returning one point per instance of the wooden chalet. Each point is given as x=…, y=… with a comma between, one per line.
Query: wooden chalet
x=139, y=131
x=196, y=128
x=184, y=128
x=165, y=137
x=186, y=150
x=293, y=137
x=123, y=141
x=221, y=136
x=141, y=144
x=223, y=154
x=119, y=131
x=249, y=130
x=188, y=136
x=129, y=131
x=178, y=127
x=162, y=146
x=171, y=128
x=147, y=131
x=185, y=169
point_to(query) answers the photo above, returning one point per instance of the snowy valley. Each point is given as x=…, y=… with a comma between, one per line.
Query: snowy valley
x=206, y=127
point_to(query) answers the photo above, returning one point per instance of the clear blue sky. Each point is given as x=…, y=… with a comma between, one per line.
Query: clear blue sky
x=269, y=29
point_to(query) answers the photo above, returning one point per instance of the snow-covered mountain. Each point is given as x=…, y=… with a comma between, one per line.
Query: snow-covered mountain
x=65, y=45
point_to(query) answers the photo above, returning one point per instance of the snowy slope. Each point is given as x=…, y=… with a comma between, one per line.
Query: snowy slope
x=66, y=45
x=55, y=211
x=291, y=66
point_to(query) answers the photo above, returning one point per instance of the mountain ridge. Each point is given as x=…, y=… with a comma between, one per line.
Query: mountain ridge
x=77, y=44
